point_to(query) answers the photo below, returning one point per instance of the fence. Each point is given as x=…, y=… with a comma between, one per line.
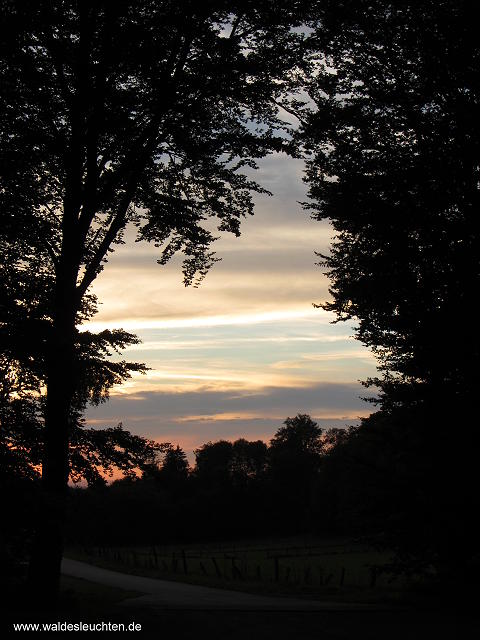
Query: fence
x=301, y=566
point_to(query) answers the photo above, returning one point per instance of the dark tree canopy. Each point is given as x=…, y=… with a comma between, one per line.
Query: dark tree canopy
x=175, y=465
x=394, y=142
x=249, y=462
x=25, y=327
x=213, y=462
x=238, y=463
x=300, y=434
x=394, y=138
x=294, y=457
x=94, y=453
x=117, y=114
x=235, y=490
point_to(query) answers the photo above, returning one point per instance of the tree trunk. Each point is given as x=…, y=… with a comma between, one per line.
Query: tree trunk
x=47, y=551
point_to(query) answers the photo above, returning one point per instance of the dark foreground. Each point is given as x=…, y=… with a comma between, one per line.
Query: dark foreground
x=84, y=601
x=247, y=625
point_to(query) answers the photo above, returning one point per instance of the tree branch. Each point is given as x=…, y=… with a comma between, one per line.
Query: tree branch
x=118, y=223
x=235, y=25
x=145, y=145
x=290, y=111
x=50, y=251
x=93, y=168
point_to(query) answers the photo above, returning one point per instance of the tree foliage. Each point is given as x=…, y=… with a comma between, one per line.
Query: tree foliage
x=394, y=141
x=393, y=137
x=25, y=326
x=94, y=453
x=236, y=463
x=120, y=114
x=116, y=112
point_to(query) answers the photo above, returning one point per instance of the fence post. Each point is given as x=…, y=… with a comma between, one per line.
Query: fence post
x=174, y=563
x=306, y=575
x=277, y=568
x=217, y=568
x=236, y=571
x=184, y=559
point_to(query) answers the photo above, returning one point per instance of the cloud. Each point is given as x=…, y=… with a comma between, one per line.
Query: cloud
x=193, y=418
x=208, y=321
x=246, y=349
x=179, y=345
x=246, y=353
x=270, y=268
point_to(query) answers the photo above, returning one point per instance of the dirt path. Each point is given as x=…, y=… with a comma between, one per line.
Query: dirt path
x=177, y=595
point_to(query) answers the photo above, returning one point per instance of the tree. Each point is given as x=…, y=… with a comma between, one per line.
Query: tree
x=25, y=325
x=394, y=139
x=93, y=453
x=213, y=462
x=231, y=463
x=170, y=469
x=20, y=451
x=393, y=166
x=294, y=457
x=300, y=434
x=249, y=461
x=119, y=113
x=175, y=467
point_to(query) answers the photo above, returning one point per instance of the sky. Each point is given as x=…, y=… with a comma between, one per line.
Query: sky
x=246, y=349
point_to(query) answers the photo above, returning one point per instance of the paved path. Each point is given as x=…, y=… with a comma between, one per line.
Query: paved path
x=178, y=595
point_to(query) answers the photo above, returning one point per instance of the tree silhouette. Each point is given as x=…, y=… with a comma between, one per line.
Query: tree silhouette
x=25, y=327
x=93, y=453
x=393, y=166
x=300, y=434
x=394, y=140
x=235, y=463
x=175, y=464
x=249, y=461
x=173, y=471
x=127, y=113
x=294, y=457
x=213, y=462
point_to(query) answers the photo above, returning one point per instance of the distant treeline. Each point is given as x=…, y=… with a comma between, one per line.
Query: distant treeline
x=376, y=480
x=306, y=480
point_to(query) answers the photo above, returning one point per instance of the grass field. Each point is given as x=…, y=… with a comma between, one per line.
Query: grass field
x=332, y=568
